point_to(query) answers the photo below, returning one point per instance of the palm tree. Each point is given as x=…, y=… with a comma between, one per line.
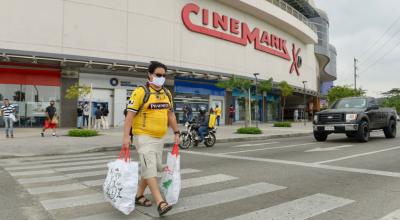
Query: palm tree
x=286, y=90
x=265, y=86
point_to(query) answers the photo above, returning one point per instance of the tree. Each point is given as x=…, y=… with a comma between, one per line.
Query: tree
x=338, y=92
x=286, y=90
x=76, y=91
x=392, y=99
x=265, y=86
x=1, y=96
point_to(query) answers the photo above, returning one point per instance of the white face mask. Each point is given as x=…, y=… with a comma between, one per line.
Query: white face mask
x=158, y=81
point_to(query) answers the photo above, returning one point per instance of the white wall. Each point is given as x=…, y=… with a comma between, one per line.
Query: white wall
x=140, y=30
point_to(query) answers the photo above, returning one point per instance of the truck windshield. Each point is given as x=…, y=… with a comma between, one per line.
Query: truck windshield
x=350, y=103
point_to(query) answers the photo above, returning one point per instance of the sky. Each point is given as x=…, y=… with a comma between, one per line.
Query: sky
x=357, y=29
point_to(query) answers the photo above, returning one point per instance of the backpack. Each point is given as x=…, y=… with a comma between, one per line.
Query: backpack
x=148, y=93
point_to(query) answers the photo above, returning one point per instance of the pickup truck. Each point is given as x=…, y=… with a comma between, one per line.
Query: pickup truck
x=355, y=117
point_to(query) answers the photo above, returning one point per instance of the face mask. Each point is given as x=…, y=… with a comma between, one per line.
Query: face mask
x=158, y=81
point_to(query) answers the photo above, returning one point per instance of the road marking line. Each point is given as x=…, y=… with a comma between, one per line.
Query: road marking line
x=298, y=209
x=249, y=145
x=70, y=202
x=216, y=198
x=103, y=165
x=357, y=155
x=115, y=215
x=295, y=163
x=34, y=172
x=267, y=148
x=392, y=216
x=68, y=164
x=58, y=188
x=322, y=149
x=86, y=174
x=42, y=179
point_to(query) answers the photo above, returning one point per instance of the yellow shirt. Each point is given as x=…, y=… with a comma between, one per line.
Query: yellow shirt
x=152, y=119
x=218, y=111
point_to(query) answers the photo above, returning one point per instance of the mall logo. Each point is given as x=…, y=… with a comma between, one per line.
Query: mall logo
x=239, y=33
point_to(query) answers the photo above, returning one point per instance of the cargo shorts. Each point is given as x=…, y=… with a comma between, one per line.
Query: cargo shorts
x=150, y=154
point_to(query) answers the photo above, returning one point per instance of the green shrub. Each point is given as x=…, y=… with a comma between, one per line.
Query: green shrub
x=82, y=133
x=250, y=130
x=282, y=124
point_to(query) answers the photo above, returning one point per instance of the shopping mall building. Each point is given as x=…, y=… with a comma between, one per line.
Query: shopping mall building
x=48, y=45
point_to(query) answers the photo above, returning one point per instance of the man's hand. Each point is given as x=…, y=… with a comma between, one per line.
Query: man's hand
x=126, y=142
x=176, y=138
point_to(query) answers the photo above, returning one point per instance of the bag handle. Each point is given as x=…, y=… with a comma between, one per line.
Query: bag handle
x=175, y=150
x=125, y=154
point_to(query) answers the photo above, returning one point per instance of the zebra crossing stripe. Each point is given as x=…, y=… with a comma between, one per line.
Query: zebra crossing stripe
x=392, y=216
x=216, y=198
x=86, y=174
x=114, y=215
x=70, y=202
x=34, y=172
x=58, y=188
x=42, y=179
x=299, y=209
x=103, y=165
x=66, y=164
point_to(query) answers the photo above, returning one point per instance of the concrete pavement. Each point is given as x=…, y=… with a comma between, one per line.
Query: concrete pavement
x=27, y=141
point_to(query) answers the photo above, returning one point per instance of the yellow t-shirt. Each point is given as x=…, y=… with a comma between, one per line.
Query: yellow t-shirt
x=218, y=111
x=152, y=119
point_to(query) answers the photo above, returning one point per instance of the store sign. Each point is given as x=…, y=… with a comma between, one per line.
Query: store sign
x=115, y=82
x=232, y=30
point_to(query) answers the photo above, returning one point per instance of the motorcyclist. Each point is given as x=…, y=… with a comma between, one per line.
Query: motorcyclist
x=202, y=123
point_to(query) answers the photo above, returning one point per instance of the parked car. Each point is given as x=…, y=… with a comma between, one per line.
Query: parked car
x=355, y=117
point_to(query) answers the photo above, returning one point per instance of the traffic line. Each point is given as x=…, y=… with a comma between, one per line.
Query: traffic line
x=64, y=164
x=42, y=179
x=357, y=155
x=249, y=145
x=268, y=148
x=299, y=209
x=216, y=198
x=34, y=172
x=392, y=216
x=114, y=215
x=103, y=165
x=52, y=204
x=53, y=189
x=86, y=174
x=323, y=149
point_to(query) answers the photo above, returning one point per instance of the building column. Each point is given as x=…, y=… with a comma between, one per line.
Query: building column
x=229, y=102
x=68, y=107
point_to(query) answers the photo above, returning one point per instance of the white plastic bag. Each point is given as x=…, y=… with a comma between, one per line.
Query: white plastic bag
x=13, y=118
x=121, y=183
x=171, y=178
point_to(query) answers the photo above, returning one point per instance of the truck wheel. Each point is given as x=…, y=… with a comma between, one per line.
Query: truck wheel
x=390, y=130
x=319, y=136
x=351, y=134
x=363, y=132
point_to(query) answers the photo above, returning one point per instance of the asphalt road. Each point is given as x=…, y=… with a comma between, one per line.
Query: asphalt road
x=293, y=178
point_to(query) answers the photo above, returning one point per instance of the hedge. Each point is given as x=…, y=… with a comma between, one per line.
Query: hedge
x=249, y=130
x=82, y=133
x=283, y=124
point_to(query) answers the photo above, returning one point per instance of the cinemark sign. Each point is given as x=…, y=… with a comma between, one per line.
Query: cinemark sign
x=239, y=33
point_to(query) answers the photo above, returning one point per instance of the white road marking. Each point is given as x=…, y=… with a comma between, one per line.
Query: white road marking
x=58, y=188
x=299, y=209
x=295, y=163
x=70, y=202
x=392, y=216
x=249, y=145
x=357, y=155
x=42, y=179
x=65, y=164
x=34, y=172
x=216, y=198
x=86, y=174
x=322, y=149
x=114, y=215
x=103, y=165
x=268, y=148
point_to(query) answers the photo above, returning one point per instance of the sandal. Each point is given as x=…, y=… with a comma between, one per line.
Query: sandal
x=164, y=209
x=143, y=201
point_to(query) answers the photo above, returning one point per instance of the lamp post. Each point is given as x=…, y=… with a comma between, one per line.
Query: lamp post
x=256, y=113
x=304, y=111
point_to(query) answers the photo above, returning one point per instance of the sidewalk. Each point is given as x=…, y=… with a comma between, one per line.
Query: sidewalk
x=27, y=141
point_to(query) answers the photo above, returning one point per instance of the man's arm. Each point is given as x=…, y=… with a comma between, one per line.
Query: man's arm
x=130, y=115
x=174, y=125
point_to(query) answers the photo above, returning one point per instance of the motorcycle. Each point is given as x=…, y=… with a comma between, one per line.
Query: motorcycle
x=191, y=136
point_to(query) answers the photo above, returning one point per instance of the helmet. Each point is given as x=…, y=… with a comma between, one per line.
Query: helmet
x=202, y=110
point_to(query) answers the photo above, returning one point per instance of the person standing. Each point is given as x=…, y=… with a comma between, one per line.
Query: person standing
x=218, y=113
x=98, y=121
x=51, y=119
x=104, y=117
x=189, y=113
x=185, y=113
x=150, y=112
x=86, y=112
x=80, y=116
x=231, y=114
x=7, y=111
x=296, y=115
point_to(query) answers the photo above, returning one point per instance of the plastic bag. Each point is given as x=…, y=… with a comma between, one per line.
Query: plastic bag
x=170, y=184
x=121, y=183
x=13, y=118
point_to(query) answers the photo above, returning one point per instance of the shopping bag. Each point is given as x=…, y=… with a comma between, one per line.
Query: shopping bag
x=13, y=118
x=121, y=183
x=170, y=184
x=54, y=120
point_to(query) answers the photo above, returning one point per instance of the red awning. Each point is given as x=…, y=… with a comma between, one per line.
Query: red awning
x=29, y=76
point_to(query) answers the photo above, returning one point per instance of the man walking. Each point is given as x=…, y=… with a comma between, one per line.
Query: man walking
x=98, y=121
x=7, y=111
x=86, y=112
x=80, y=116
x=104, y=117
x=149, y=112
x=51, y=119
x=218, y=113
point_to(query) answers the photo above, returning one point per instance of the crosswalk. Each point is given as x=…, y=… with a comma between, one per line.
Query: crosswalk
x=70, y=187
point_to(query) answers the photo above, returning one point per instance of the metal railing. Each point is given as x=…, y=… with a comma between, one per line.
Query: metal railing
x=289, y=9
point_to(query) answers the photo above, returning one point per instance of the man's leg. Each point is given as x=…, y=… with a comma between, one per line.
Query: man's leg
x=202, y=132
x=155, y=191
x=11, y=127
x=6, y=126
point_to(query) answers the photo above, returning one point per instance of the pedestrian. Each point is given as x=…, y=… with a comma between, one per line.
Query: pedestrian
x=80, y=116
x=150, y=111
x=189, y=113
x=202, y=122
x=218, y=113
x=185, y=113
x=51, y=120
x=104, y=117
x=231, y=114
x=86, y=112
x=296, y=115
x=8, y=112
x=209, y=112
x=98, y=121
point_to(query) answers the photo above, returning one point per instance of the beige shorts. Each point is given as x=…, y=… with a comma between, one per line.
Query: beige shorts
x=150, y=154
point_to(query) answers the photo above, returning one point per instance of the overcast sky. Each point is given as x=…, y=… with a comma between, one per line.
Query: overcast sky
x=355, y=25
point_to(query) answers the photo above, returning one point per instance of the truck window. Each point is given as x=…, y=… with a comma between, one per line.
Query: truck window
x=351, y=103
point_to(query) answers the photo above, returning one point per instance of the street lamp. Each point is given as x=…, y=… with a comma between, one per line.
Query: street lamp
x=256, y=113
x=304, y=111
